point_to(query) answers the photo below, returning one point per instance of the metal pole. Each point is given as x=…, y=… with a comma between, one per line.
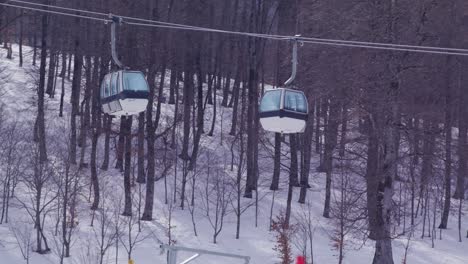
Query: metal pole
x=115, y=21
x=294, y=62
x=190, y=259
x=174, y=249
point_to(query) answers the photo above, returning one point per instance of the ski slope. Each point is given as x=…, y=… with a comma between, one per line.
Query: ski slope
x=18, y=96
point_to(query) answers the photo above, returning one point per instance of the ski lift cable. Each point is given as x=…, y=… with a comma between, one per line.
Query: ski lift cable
x=271, y=36
x=103, y=14
x=162, y=23
x=337, y=44
x=306, y=40
x=210, y=30
x=55, y=12
x=57, y=7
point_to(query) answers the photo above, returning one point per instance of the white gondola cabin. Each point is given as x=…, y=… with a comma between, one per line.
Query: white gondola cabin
x=284, y=111
x=124, y=93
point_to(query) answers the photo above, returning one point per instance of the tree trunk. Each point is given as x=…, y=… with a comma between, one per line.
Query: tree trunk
x=21, y=40
x=462, y=146
x=293, y=169
x=107, y=129
x=128, y=167
x=75, y=99
x=141, y=149
x=172, y=86
x=306, y=156
x=51, y=73
x=200, y=116
x=331, y=135
x=277, y=163
x=448, y=159
x=94, y=176
x=121, y=145
x=252, y=132
x=40, y=120
x=188, y=98
x=62, y=75
x=150, y=139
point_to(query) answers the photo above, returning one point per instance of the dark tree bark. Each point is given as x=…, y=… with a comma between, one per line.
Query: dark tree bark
x=277, y=163
x=128, y=167
x=344, y=129
x=172, y=86
x=34, y=48
x=462, y=146
x=188, y=98
x=75, y=99
x=141, y=149
x=331, y=137
x=62, y=75
x=40, y=119
x=448, y=158
x=428, y=155
x=96, y=130
x=21, y=40
x=200, y=116
x=293, y=169
x=51, y=72
x=85, y=116
x=121, y=145
x=307, y=155
x=150, y=139
x=107, y=129
x=252, y=132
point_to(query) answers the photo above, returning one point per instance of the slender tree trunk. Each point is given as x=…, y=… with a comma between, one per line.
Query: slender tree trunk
x=51, y=73
x=75, y=99
x=252, y=132
x=331, y=135
x=141, y=149
x=40, y=120
x=107, y=129
x=121, y=145
x=94, y=177
x=21, y=40
x=34, y=47
x=306, y=157
x=128, y=167
x=150, y=126
x=150, y=139
x=293, y=169
x=448, y=160
x=62, y=75
x=462, y=146
x=172, y=86
x=188, y=98
x=277, y=163
x=200, y=116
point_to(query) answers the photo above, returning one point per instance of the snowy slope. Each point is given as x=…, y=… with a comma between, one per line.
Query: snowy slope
x=18, y=96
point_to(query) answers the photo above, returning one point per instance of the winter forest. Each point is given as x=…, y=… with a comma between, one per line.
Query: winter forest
x=378, y=176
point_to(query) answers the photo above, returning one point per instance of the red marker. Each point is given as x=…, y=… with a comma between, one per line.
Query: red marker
x=300, y=260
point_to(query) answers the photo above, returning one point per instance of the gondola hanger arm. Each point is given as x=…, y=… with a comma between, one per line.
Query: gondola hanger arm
x=294, y=61
x=115, y=21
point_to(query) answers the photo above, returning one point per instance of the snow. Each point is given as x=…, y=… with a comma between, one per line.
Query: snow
x=18, y=96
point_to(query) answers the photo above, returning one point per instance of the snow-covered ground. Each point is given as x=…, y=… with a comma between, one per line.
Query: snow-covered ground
x=18, y=96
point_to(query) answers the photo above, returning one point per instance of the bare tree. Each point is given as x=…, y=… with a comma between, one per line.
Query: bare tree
x=22, y=231
x=40, y=195
x=216, y=196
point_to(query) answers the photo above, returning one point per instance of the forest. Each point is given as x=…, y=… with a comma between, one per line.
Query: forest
x=382, y=162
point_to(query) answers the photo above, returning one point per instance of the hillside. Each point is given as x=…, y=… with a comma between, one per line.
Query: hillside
x=18, y=100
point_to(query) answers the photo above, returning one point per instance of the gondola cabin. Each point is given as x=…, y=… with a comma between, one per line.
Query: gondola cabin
x=124, y=93
x=284, y=111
